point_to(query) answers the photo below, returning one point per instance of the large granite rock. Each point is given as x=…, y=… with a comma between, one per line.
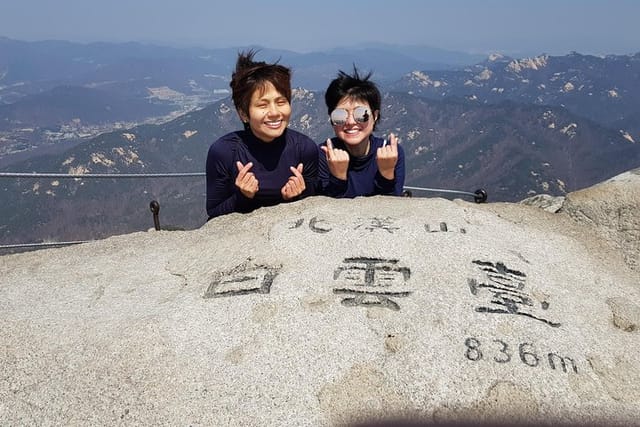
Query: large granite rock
x=612, y=209
x=328, y=312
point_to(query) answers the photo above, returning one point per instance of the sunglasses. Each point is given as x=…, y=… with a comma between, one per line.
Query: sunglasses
x=339, y=116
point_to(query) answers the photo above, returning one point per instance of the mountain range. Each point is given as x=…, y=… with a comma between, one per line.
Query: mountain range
x=603, y=89
x=49, y=89
x=33, y=67
x=514, y=127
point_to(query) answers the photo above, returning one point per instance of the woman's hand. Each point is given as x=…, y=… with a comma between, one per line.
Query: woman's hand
x=387, y=157
x=295, y=185
x=337, y=160
x=246, y=181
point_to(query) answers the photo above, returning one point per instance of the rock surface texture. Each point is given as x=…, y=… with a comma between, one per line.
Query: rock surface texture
x=336, y=312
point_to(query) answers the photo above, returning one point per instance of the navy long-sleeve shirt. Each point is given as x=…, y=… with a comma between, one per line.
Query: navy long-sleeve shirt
x=271, y=162
x=363, y=177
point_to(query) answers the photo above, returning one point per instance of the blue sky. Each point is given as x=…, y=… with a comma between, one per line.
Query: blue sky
x=525, y=27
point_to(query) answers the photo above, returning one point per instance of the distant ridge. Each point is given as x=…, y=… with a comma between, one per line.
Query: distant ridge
x=603, y=89
x=64, y=104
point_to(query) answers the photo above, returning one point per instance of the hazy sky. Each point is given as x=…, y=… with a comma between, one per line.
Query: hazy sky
x=479, y=26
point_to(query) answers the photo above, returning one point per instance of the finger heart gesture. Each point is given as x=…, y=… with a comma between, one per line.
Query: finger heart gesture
x=295, y=185
x=387, y=157
x=337, y=160
x=246, y=181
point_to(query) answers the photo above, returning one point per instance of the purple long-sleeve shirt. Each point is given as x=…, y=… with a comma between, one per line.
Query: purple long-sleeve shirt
x=363, y=177
x=271, y=162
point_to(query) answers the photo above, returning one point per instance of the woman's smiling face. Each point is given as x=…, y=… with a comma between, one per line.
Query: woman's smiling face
x=269, y=113
x=355, y=134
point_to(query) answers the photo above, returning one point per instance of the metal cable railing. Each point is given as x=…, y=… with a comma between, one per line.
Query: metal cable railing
x=43, y=244
x=479, y=196
x=99, y=175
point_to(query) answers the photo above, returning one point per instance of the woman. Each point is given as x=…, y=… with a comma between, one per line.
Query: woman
x=355, y=162
x=266, y=163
